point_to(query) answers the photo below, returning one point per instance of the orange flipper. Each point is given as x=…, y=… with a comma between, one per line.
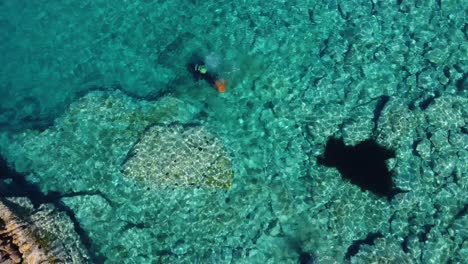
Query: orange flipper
x=220, y=85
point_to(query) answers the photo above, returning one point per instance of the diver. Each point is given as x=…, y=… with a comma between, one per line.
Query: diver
x=199, y=70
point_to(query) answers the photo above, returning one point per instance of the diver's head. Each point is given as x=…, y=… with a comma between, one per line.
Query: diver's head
x=201, y=68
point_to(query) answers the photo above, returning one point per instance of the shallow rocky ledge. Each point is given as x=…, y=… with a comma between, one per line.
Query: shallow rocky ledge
x=37, y=235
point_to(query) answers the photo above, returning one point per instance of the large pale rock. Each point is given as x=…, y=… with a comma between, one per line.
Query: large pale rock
x=176, y=155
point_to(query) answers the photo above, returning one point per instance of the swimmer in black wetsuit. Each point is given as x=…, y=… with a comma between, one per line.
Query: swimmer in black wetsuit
x=199, y=71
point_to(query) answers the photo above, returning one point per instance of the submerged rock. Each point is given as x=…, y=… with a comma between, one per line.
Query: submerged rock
x=179, y=155
x=89, y=142
x=43, y=235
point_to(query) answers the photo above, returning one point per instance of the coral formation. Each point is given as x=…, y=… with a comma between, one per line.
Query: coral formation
x=179, y=155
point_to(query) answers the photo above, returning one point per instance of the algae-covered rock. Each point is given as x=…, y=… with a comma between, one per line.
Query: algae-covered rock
x=179, y=156
x=89, y=141
x=447, y=112
x=397, y=126
x=385, y=250
x=42, y=235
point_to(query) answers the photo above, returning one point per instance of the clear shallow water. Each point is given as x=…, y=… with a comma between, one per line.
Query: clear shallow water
x=298, y=73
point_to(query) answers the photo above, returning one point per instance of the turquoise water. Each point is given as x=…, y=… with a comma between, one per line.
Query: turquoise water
x=82, y=81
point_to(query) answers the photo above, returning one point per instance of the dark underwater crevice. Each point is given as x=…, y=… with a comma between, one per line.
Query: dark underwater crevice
x=311, y=14
x=379, y=107
x=414, y=147
x=424, y=104
x=53, y=197
x=129, y=225
x=353, y=249
x=17, y=186
x=295, y=245
x=343, y=15
x=423, y=235
x=463, y=212
x=461, y=83
x=404, y=244
x=363, y=165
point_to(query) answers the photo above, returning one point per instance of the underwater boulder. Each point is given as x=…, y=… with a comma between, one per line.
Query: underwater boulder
x=176, y=155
